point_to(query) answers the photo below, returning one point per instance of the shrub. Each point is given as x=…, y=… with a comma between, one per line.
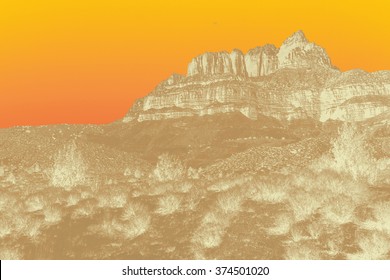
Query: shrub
x=168, y=204
x=85, y=208
x=134, y=173
x=193, y=198
x=373, y=245
x=230, y=202
x=282, y=225
x=132, y=210
x=381, y=211
x=134, y=221
x=53, y=214
x=73, y=199
x=28, y=226
x=208, y=237
x=267, y=191
x=339, y=210
x=135, y=227
x=35, y=203
x=111, y=199
x=305, y=204
x=193, y=173
x=302, y=251
x=169, y=168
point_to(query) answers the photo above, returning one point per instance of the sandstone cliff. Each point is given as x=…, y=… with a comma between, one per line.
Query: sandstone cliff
x=294, y=81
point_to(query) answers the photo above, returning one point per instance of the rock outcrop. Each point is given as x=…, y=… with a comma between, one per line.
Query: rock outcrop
x=294, y=81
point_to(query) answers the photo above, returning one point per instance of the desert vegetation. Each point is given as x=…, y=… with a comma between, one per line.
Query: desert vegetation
x=334, y=204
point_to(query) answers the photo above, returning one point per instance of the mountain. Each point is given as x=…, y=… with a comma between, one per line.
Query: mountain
x=294, y=81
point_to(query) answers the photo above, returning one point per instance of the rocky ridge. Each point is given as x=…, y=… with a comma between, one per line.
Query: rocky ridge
x=294, y=81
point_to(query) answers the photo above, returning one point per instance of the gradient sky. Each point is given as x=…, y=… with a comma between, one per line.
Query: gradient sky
x=84, y=61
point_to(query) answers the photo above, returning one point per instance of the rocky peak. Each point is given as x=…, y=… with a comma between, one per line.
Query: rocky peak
x=294, y=81
x=296, y=38
x=297, y=52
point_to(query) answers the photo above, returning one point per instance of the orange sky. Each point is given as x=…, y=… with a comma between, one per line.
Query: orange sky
x=84, y=61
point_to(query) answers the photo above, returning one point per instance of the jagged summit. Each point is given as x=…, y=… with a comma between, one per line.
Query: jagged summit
x=295, y=52
x=297, y=36
x=294, y=81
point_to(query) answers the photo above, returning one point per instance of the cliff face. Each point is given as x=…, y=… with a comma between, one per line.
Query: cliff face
x=295, y=81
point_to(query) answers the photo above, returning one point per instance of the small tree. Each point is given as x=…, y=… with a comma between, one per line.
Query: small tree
x=69, y=167
x=169, y=168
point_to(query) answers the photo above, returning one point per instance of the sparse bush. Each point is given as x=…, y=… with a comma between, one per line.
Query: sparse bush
x=28, y=226
x=333, y=248
x=267, y=191
x=131, y=172
x=213, y=227
x=168, y=204
x=282, y=225
x=183, y=187
x=193, y=173
x=53, y=214
x=230, y=201
x=208, y=237
x=35, y=203
x=339, y=210
x=305, y=204
x=132, y=210
x=69, y=169
x=111, y=199
x=169, y=168
x=302, y=251
x=107, y=227
x=134, y=221
x=226, y=184
x=84, y=209
x=338, y=184
x=192, y=199
x=373, y=245
x=297, y=234
x=381, y=220
x=315, y=229
x=136, y=227
x=73, y=199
